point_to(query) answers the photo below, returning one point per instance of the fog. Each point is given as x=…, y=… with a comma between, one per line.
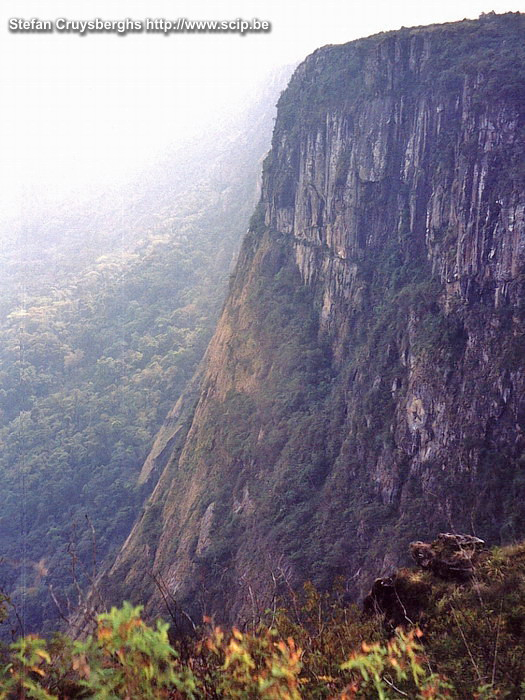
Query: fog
x=82, y=112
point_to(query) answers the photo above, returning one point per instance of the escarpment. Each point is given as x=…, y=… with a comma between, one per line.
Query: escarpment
x=365, y=384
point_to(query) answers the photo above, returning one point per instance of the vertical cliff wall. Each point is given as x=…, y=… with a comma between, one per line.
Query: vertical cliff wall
x=365, y=385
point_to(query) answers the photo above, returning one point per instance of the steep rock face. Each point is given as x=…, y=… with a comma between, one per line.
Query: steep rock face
x=366, y=381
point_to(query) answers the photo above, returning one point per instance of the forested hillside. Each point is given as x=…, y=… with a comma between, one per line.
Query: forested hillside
x=106, y=311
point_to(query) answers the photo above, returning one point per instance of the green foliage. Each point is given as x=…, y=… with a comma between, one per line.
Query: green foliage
x=126, y=658
x=475, y=634
x=490, y=50
x=336, y=73
x=253, y=665
x=297, y=370
x=383, y=670
x=257, y=224
x=334, y=76
x=4, y=600
x=22, y=674
x=98, y=377
x=466, y=643
x=342, y=168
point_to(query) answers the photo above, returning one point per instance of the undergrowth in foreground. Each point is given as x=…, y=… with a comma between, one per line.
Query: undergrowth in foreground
x=467, y=642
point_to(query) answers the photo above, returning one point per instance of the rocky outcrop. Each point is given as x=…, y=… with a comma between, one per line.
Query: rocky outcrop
x=366, y=381
x=450, y=556
x=405, y=596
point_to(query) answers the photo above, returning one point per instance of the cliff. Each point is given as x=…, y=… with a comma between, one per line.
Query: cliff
x=365, y=384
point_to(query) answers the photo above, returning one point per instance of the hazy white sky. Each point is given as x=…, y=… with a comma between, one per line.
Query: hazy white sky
x=80, y=110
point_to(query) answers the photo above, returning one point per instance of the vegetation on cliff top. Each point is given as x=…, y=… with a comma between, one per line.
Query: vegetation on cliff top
x=487, y=52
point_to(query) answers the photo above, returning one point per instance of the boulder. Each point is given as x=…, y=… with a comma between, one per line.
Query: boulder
x=450, y=556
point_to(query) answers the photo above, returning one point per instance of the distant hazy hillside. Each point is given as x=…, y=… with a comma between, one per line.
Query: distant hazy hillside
x=44, y=244
x=106, y=311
